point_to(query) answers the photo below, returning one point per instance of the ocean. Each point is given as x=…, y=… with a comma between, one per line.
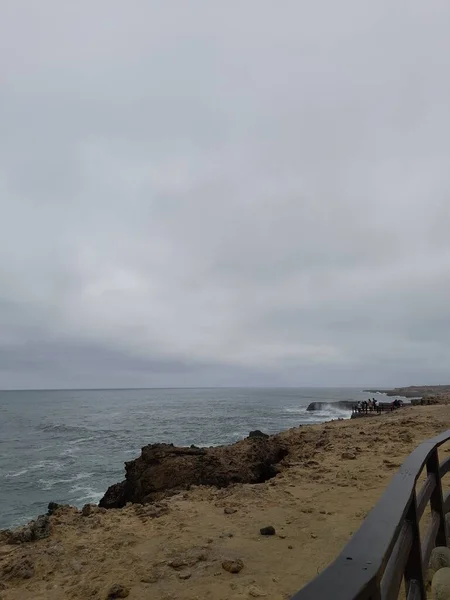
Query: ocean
x=69, y=446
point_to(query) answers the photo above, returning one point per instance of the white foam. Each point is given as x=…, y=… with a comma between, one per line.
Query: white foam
x=18, y=474
x=89, y=494
x=49, y=484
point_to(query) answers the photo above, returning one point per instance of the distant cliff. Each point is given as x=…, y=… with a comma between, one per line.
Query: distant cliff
x=418, y=391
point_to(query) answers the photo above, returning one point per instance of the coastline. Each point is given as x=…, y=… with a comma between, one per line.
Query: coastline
x=435, y=392
x=174, y=549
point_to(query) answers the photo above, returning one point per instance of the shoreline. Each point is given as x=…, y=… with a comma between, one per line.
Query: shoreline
x=175, y=548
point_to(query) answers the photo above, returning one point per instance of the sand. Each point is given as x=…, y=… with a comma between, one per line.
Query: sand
x=175, y=551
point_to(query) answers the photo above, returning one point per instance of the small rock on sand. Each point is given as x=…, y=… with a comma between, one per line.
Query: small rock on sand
x=267, y=530
x=233, y=566
x=229, y=511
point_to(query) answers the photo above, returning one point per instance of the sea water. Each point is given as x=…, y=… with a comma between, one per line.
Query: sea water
x=69, y=446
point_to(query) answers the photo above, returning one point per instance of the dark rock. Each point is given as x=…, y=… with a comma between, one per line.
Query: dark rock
x=41, y=527
x=117, y=591
x=32, y=531
x=233, y=566
x=86, y=510
x=257, y=434
x=52, y=508
x=115, y=496
x=267, y=530
x=163, y=468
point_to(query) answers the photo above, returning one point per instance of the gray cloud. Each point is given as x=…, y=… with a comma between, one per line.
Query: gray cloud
x=224, y=195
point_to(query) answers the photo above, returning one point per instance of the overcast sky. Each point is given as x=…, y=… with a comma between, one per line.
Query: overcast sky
x=200, y=193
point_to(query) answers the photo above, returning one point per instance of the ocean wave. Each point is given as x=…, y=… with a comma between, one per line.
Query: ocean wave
x=60, y=428
x=85, y=494
x=18, y=474
x=81, y=440
x=49, y=465
x=49, y=484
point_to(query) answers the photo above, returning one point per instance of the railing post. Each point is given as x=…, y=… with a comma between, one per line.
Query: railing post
x=414, y=569
x=436, y=500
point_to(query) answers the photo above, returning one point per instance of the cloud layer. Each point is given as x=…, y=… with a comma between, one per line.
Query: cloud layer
x=250, y=194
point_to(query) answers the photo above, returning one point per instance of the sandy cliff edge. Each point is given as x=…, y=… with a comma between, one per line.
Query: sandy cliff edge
x=174, y=549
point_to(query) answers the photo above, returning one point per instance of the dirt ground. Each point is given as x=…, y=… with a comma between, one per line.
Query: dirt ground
x=333, y=475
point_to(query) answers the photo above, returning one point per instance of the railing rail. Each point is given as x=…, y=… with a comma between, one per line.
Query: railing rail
x=387, y=547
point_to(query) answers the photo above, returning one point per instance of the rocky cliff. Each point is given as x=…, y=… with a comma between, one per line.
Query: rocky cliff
x=164, y=468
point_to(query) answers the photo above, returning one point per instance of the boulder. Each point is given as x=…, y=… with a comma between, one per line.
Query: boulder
x=440, y=557
x=164, y=468
x=440, y=585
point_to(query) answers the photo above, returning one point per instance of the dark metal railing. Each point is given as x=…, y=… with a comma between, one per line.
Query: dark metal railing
x=388, y=546
x=382, y=407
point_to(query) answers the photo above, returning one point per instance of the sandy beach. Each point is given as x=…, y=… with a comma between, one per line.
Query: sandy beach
x=175, y=549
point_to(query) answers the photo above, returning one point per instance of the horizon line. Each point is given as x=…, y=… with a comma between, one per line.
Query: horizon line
x=217, y=387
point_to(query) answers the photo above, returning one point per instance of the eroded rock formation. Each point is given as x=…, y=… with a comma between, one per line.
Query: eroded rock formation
x=165, y=468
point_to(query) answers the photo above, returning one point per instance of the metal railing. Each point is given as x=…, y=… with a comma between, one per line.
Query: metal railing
x=388, y=546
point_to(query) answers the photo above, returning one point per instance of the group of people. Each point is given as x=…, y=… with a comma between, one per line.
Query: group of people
x=372, y=405
x=367, y=405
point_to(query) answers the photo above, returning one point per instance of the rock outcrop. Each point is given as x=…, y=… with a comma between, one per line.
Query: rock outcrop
x=34, y=530
x=164, y=468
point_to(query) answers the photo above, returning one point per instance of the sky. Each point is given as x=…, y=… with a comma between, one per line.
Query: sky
x=212, y=193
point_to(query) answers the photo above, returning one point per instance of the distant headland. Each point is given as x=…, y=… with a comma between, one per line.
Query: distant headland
x=440, y=394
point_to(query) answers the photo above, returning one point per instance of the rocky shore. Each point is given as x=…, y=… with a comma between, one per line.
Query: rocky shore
x=431, y=394
x=256, y=519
